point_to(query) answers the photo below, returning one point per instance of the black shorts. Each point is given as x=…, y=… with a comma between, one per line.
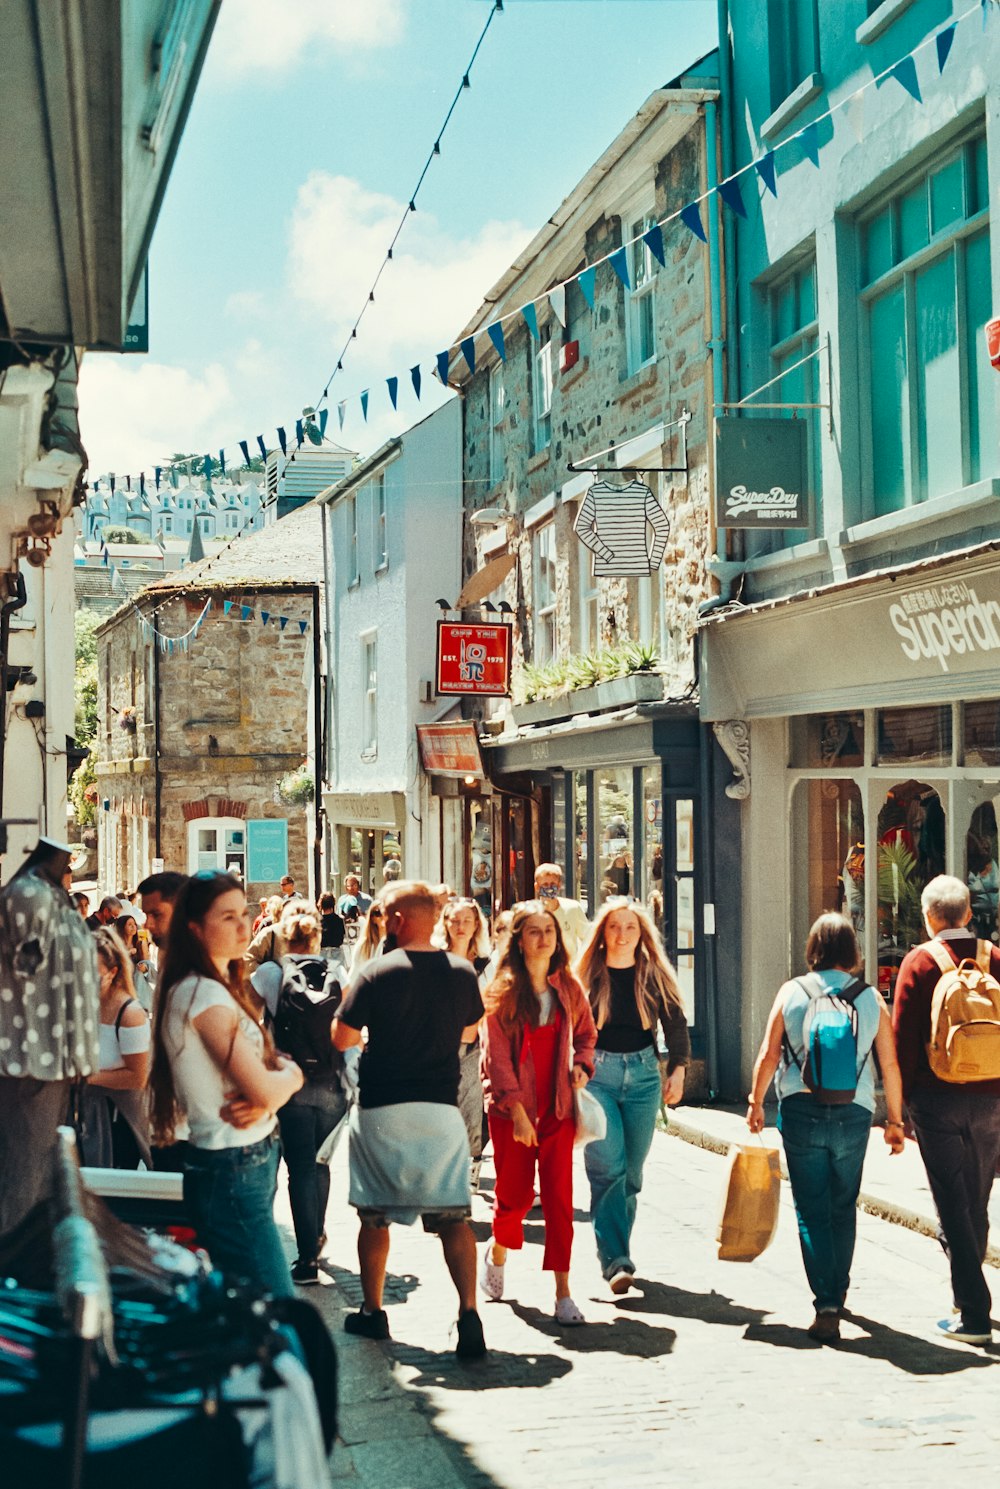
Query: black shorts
x=432, y=1221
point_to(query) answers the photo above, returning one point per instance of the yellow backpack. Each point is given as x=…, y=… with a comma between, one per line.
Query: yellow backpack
x=964, y=1040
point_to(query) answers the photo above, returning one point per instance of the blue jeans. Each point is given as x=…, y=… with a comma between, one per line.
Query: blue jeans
x=229, y=1193
x=306, y=1122
x=629, y=1089
x=825, y=1150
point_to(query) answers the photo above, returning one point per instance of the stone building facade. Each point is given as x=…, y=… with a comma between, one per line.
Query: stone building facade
x=194, y=740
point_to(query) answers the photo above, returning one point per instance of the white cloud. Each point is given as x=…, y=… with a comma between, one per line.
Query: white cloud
x=268, y=36
x=339, y=234
x=133, y=414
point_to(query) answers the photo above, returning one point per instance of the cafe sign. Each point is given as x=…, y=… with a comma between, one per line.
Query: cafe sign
x=760, y=473
x=473, y=659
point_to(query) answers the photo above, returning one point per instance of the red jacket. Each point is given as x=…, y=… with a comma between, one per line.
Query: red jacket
x=911, y=1015
x=508, y=1068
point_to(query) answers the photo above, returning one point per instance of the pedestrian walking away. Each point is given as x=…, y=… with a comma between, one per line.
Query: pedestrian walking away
x=538, y=1048
x=956, y=1119
x=208, y=1049
x=301, y=996
x=818, y=1048
x=409, y=1153
x=462, y=931
x=633, y=991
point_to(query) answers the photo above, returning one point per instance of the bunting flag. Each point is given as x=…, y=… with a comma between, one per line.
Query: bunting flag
x=158, y=472
x=653, y=240
x=265, y=616
x=303, y=627
x=442, y=368
x=531, y=316
x=282, y=622
x=283, y=442
x=415, y=379
x=557, y=299
x=324, y=414
x=300, y=433
x=619, y=262
x=586, y=280
x=392, y=383
x=765, y=168
x=262, y=447
x=142, y=483
x=246, y=611
x=854, y=111
x=732, y=196
x=691, y=217
x=905, y=72
x=495, y=333
x=206, y=467
x=341, y=409
x=222, y=462
x=227, y=605
x=943, y=42
x=809, y=140
x=364, y=404
x=468, y=345
x=246, y=453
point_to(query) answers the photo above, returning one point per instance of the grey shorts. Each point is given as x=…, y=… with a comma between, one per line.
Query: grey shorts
x=431, y=1222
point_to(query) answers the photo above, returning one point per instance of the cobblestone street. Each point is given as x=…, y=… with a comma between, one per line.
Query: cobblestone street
x=703, y=1374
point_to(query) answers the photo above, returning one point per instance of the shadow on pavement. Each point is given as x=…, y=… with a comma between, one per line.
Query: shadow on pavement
x=623, y=1336
x=397, y=1286
x=709, y=1308
x=907, y=1352
x=501, y=1370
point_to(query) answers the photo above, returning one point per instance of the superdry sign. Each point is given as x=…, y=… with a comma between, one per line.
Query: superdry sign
x=473, y=659
x=760, y=473
x=945, y=621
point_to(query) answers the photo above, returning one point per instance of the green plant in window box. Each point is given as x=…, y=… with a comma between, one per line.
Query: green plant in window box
x=297, y=788
x=640, y=656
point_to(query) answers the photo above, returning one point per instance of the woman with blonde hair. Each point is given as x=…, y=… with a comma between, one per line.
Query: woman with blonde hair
x=538, y=1046
x=369, y=943
x=209, y=1054
x=112, y=1121
x=633, y=991
x=462, y=930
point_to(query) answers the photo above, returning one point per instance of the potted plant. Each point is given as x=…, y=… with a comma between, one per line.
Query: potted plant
x=297, y=788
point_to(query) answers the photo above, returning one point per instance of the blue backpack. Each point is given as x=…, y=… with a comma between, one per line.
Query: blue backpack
x=830, y=1061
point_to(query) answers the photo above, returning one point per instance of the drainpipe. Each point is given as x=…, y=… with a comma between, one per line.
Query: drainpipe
x=319, y=750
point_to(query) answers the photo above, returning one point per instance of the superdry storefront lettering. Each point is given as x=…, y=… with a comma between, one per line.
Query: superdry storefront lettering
x=945, y=621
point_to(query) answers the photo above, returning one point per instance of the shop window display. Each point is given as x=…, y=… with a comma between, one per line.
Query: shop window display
x=922, y=734
x=982, y=733
x=580, y=853
x=911, y=851
x=652, y=806
x=982, y=872
x=614, y=815
x=835, y=863
x=834, y=739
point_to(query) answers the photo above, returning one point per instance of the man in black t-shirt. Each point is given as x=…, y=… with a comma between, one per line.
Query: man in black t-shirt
x=409, y=1152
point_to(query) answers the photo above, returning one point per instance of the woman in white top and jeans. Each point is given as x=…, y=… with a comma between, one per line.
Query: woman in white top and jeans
x=113, y=1120
x=209, y=1050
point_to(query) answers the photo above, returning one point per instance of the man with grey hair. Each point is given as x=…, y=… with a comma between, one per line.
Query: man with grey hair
x=957, y=1125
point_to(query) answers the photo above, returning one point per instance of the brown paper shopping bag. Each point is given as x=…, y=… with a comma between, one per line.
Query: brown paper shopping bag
x=750, y=1200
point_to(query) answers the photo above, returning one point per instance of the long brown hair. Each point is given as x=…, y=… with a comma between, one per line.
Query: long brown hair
x=479, y=946
x=655, y=979
x=510, y=995
x=185, y=955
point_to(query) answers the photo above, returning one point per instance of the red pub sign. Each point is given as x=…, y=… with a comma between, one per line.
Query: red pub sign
x=473, y=659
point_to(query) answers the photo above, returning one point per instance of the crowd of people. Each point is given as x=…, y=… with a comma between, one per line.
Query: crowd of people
x=427, y=1039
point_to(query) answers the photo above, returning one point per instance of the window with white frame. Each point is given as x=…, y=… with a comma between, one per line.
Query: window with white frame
x=543, y=546
x=353, y=559
x=380, y=527
x=640, y=300
x=541, y=388
x=369, y=692
x=497, y=411
x=589, y=590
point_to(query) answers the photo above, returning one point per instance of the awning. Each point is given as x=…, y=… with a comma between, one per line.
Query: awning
x=382, y=809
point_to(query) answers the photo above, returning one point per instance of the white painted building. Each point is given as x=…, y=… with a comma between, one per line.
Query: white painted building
x=392, y=548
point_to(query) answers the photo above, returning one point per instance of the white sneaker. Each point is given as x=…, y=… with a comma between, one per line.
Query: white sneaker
x=491, y=1276
x=567, y=1312
x=953, y=1328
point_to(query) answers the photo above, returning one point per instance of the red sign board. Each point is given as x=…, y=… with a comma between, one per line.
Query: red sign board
x=473, y=659
x=450, y=750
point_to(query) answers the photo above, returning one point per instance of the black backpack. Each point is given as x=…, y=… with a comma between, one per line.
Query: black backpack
x=307, y=1006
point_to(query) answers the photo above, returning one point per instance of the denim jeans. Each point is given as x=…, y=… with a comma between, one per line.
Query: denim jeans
x=229, y=1193
x=825, y=1150
x=958, y=1131
x=306, y=1122
x=629, y=1089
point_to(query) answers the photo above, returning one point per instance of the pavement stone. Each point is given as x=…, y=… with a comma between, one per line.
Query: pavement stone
x=702, y=1372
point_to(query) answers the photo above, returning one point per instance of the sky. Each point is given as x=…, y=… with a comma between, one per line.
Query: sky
x=309, y=129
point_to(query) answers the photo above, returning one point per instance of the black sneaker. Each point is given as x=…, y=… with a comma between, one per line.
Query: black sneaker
x=368, y=1325
x=471, y=1344
x=305, y=1274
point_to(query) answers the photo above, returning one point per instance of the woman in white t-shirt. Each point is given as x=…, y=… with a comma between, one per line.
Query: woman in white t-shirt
x=210, y=1050
x=113, y=1119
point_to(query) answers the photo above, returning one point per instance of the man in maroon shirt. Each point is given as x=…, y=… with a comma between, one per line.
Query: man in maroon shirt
x=957, y=1126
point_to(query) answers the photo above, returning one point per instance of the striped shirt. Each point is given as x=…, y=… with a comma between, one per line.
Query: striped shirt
x=614, y=523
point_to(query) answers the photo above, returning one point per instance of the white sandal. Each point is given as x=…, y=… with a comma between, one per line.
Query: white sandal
x=491, y=1276
x=567, y=1312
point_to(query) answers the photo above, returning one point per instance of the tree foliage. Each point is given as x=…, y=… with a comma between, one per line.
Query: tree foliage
x=120, y=535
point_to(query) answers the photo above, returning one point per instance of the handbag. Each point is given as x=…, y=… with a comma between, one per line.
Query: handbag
x=591, y=1121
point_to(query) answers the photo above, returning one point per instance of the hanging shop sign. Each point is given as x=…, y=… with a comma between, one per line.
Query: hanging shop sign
x=473, y=659
x=624, y=527
x=450, y=750
x=760, y=473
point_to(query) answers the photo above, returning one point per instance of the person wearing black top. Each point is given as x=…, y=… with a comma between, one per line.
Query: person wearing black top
x=632, y=989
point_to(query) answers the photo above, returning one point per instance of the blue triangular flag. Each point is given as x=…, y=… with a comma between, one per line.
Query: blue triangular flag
x=619, y=262
x=222, y=462
x=586, y=280
x=731, y=195
x=905, y=72
x=262, y=447
x=691, y=217
x=282, y=622
x=809, y=140
x=364, y=404
x=653, y=240
x=443, y=359
x=282, y=442
x=246, y=452
x=206, y=466
x=157, y=472
x=531, y=316
x=246, y=611
x=303, y=627
x=324, y=414
x=943, y=42
x=766, y=171
x=265, y=616
x=227, y=605
x=469, y=352
x=495, y=333
x=299, y=432
x=415, y=380
x=142, y=483
x=392, y=383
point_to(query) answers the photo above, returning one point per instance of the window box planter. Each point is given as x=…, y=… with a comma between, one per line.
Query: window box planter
x=617, y=692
